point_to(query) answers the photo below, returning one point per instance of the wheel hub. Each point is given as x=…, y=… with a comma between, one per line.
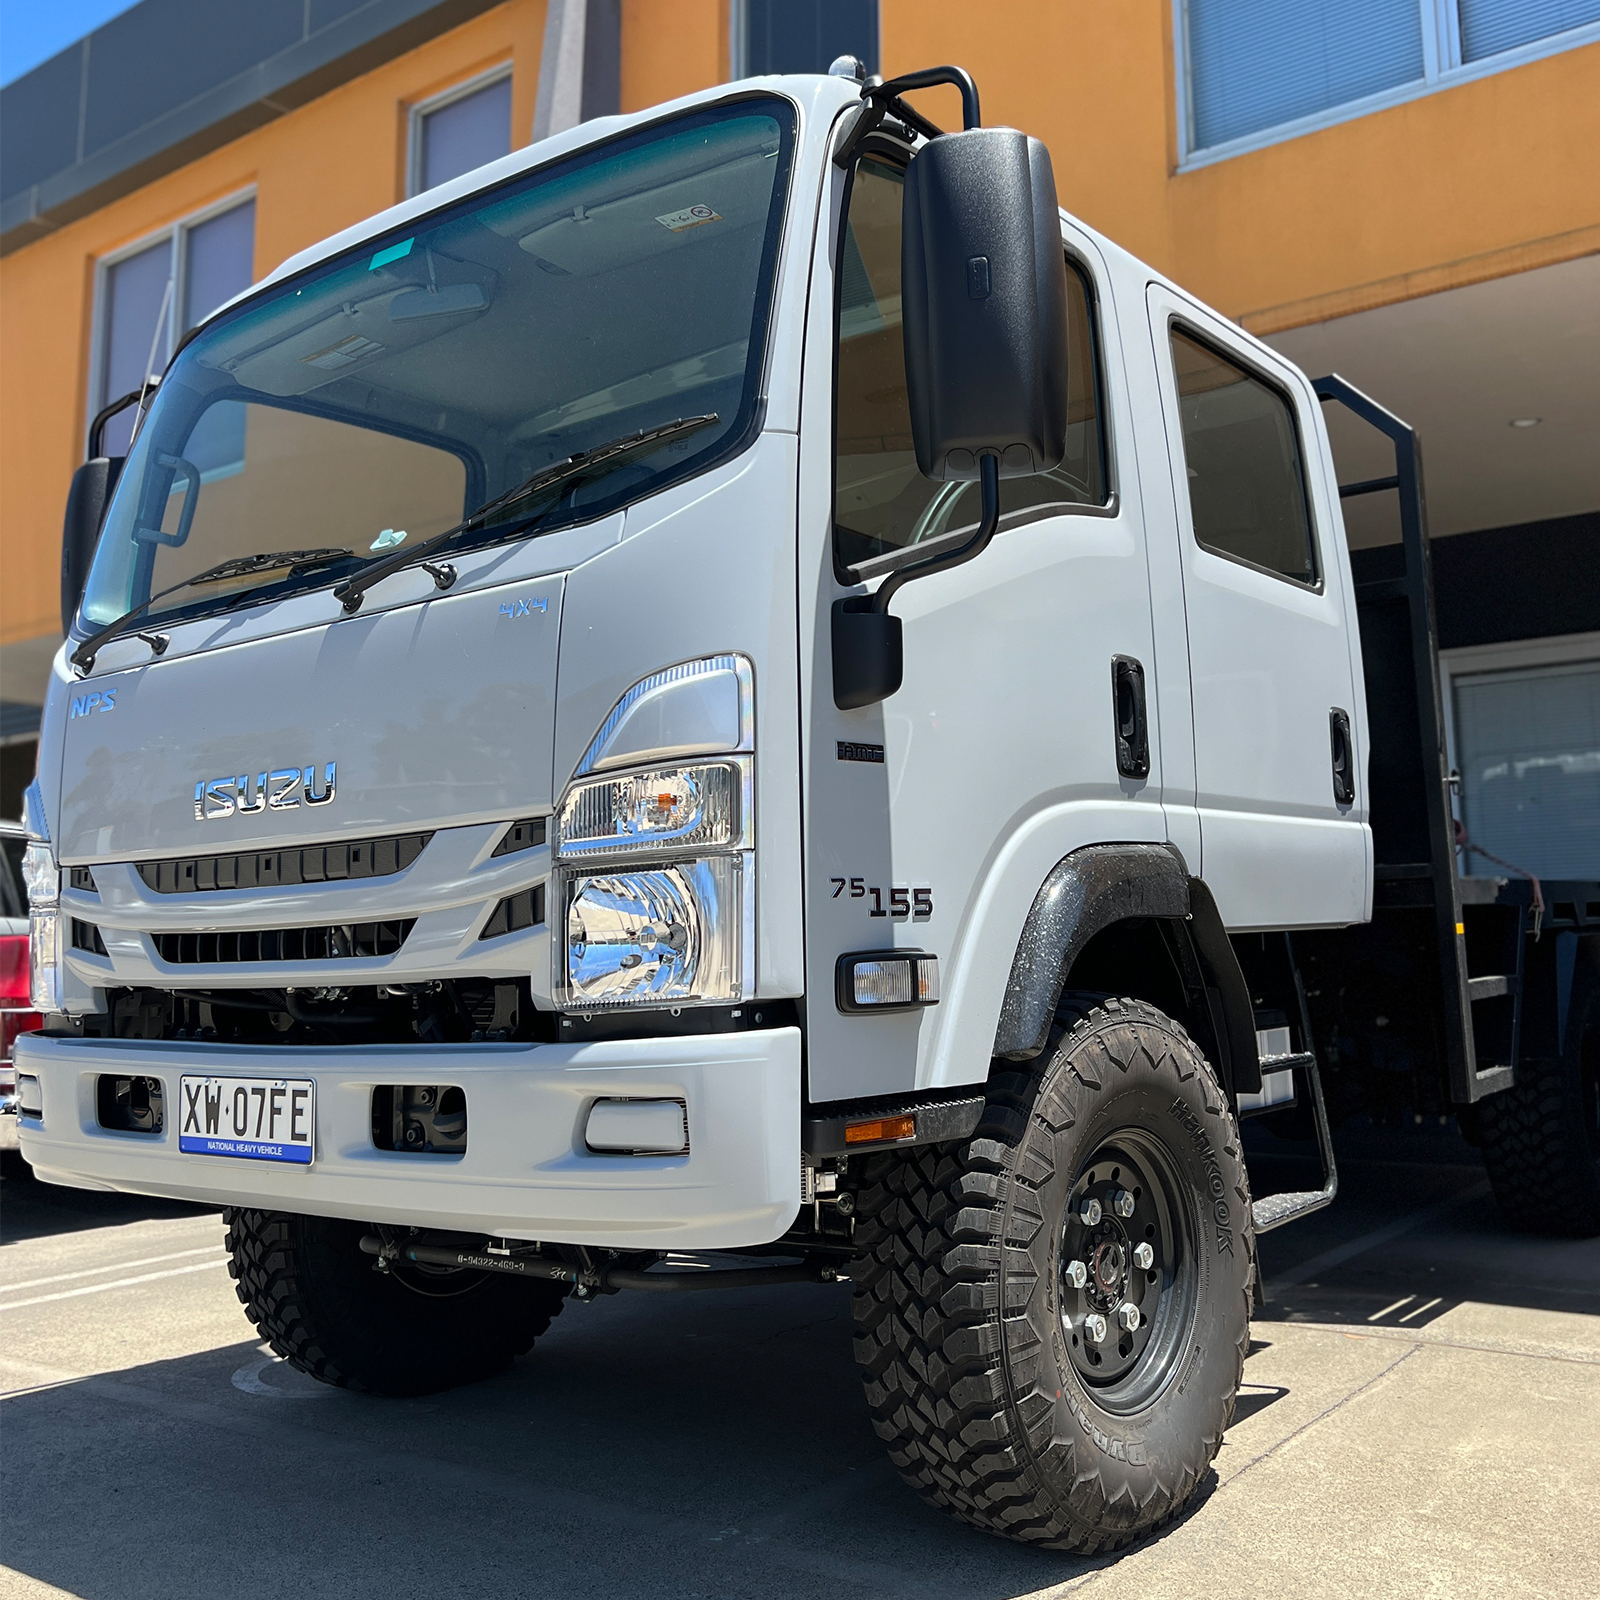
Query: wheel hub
x=1123, y=1274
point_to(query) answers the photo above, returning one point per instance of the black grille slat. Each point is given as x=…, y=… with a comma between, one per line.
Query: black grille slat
x=280, y=869
x=516, y=912
x=339, y=941
x=527, y=833
x=86, y=937
x=81, y=878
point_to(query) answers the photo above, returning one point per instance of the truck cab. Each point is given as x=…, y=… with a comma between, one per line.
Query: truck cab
x=732, y=681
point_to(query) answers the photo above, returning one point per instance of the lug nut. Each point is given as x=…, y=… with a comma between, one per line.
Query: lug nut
x=1076, y=1274
x=1143, y=1256
x=1128, y=1315
x=1089, y=1210
x=1094, y=1328
x=1122, y=1203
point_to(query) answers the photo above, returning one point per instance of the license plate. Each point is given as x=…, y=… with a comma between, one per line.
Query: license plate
x=262, y=1119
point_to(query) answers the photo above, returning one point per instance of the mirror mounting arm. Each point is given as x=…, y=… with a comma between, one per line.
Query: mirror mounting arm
x=868, y=655
x=882, y=98
x=988, y=524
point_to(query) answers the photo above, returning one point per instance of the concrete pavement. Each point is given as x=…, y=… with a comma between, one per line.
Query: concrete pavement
x=1421, y=1417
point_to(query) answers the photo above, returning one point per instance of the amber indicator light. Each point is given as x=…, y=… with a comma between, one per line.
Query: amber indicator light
x=882, y=1128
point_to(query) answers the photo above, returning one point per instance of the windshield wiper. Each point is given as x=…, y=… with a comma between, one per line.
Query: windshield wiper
x=239, y=567
x=602, y=456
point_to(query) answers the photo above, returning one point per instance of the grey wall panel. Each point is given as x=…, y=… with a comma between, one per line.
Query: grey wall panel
x=170, y=80
x=163, y=53
x=39, y=121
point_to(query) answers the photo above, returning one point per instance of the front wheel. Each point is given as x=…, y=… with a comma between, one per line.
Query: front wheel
x=1051, y=1319
x=308, y=1286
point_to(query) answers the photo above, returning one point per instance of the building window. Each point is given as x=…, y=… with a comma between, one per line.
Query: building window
x=194, y=266
x=455, y=132
x=783, y=36
x=1259, y=71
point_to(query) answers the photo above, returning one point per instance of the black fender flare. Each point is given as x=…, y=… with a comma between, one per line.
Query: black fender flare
x=1091, y=890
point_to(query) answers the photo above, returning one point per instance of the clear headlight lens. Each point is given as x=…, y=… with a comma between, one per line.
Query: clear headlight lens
x=665, y=936
x=41, y=875
x=698, y=807
x=43, y=880
x=44, y=960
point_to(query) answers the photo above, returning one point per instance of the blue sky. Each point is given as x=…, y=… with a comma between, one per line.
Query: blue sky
x=32, y=31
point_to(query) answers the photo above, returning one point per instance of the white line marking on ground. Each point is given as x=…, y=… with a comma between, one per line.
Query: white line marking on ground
x=1337, y=1256
x=1416, y=1311
x=115, y=1266
x=247, y=1380
x=120, y=1283
x=1378, y=1316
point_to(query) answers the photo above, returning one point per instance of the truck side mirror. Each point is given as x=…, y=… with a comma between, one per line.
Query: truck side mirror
x=984, y=280
x=90, y=494
x=984, y=306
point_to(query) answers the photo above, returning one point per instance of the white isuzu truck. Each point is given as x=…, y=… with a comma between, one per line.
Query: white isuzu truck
x=736, y=681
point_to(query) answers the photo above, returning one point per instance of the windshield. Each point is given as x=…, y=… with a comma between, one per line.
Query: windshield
x=382, y=397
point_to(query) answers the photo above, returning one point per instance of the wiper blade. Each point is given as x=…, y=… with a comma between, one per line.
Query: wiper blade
x=238, y=567
x=350, y=592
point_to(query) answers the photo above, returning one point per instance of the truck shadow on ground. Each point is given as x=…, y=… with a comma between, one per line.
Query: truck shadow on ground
x=645, y=1449
x=30, y=1209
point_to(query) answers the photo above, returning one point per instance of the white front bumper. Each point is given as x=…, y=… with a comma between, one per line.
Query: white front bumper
x=526, y=1173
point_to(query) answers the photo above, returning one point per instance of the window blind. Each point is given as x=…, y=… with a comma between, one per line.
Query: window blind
x=1490, y=26
x=1254, y=64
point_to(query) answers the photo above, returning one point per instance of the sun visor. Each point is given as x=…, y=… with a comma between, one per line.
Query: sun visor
x=388, y=309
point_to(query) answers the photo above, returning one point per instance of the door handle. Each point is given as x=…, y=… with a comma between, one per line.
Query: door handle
x=1128, y=712
x=1344, y=767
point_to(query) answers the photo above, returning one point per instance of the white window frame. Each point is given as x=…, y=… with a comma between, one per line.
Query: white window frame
x=437, y=102
x=175, y=233
x=1560, y=650
x=1442, y=68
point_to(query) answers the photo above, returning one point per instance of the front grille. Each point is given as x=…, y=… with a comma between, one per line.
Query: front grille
x=516, y=912
x=85, y=936
x=342, y=942
x=81, y=878
x=276, y=869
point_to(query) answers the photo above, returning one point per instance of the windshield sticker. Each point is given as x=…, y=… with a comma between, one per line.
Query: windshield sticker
x=395, y=252
x=388, y=539
x=689, y=217
x=345, y=353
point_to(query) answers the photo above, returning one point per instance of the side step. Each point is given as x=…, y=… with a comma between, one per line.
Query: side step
x=1273, y=1210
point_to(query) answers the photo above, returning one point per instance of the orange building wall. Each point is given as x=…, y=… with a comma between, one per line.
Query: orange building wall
x=1469, y=183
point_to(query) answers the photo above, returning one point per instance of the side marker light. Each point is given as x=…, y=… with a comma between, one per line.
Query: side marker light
x=880, y=1129
x=886, y=980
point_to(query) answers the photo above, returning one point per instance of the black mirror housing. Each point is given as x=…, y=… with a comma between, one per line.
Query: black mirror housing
x=983, y=278
x=92, y=486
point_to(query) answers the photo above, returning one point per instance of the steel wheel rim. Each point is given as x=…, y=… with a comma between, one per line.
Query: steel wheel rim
x=1127, y=1369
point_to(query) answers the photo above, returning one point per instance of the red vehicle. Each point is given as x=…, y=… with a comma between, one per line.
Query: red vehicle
x=15, y=1015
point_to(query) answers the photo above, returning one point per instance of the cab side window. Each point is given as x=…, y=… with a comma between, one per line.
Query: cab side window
x=881, y=502
x=1241, y=451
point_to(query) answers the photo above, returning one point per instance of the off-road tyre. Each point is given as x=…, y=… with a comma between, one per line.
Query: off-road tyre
x=1541, y=1137
x=308, y=1286
x=960, y=1295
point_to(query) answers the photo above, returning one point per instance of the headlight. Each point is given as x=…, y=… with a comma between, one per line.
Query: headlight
x=684, y=808
x=665, y=936
x=669, y=931
x=43, y=878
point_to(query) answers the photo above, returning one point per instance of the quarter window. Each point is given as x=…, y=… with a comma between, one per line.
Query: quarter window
x=881, y=502
x=1241, y=456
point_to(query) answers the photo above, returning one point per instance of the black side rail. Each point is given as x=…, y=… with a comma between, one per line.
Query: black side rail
x=1413, y=829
